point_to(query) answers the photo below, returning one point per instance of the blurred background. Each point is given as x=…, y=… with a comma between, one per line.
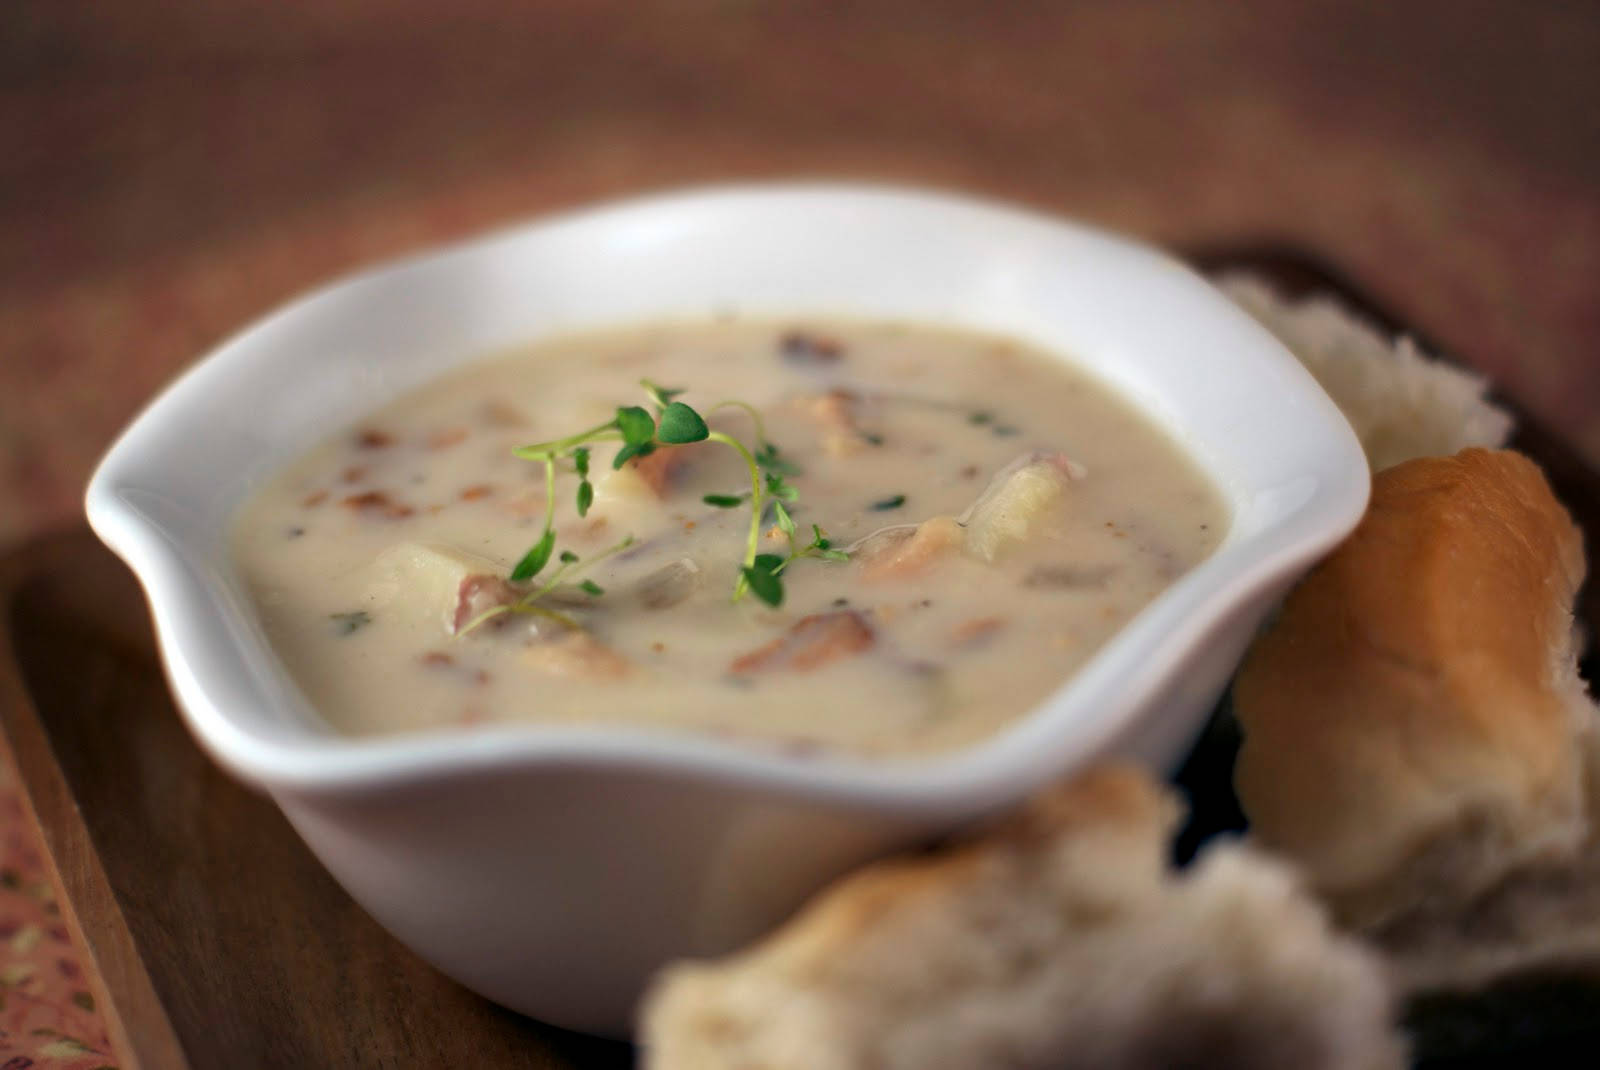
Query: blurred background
x=171, y=169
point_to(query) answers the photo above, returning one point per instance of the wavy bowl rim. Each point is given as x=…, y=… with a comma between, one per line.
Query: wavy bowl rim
x=963, y=781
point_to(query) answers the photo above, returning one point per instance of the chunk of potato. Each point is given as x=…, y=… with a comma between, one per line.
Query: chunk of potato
x=422, y=580
x=645, y=480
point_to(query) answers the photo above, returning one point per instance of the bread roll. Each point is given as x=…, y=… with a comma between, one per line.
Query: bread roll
x=1416, y=736
x=1061, y=939
x=1401, y=403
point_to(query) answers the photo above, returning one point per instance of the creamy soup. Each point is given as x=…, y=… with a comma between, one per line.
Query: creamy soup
x=970, y=521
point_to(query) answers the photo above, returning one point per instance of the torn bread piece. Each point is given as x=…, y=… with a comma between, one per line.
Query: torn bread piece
x=1416, y=735
x=1061, y=939
x=1401, y=403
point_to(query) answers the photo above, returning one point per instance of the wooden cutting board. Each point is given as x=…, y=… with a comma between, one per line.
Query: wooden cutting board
x=221, y=940
x=217, y=933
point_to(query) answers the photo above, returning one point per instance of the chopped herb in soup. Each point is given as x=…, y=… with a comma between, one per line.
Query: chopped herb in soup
x=877, y=539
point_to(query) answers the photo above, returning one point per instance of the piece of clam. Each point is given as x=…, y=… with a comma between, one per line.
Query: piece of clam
x=1016, y=499
x=669, y=584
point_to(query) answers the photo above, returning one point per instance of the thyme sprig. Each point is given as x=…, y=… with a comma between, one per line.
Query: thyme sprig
x=569, y=566
x=676, y=424
x=763, y=574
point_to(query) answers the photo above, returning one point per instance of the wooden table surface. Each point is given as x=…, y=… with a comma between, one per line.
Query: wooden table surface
x=170, y=171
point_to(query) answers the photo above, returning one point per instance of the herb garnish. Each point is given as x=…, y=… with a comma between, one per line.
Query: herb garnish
x=580, y=462
x=883, y=505
x=762, y=575
x=641, y=434
x=536, y=558
x=529, y=602
x=767, y=457
x=347, y=623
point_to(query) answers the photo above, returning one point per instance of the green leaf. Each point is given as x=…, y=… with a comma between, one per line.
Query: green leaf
x=785, y=521
x=636, y=425
x=568, y=557
x=591, y=588
x=885, y=504
x=725, y=501
x=765, y=586
x=580, y=460
x=346, y=623
x=767, y=458
x=632, y=450
x=980, y=418
x=778, y=488
x=681, y=424
x=536, y=557
x=661, y=395
x=822, y=547
x=763, y=579
x=585, y=497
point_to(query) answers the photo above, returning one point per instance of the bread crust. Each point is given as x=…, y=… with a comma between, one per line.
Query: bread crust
x=1058, y=939
x=1413, y=726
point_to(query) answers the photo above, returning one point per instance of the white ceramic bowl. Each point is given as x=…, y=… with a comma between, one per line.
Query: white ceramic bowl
x=552, y=869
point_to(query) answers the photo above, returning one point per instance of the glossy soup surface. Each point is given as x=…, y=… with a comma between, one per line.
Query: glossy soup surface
x=1005, y=514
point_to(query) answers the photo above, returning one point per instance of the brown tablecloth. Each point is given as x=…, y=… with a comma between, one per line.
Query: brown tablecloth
x=167, y=172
